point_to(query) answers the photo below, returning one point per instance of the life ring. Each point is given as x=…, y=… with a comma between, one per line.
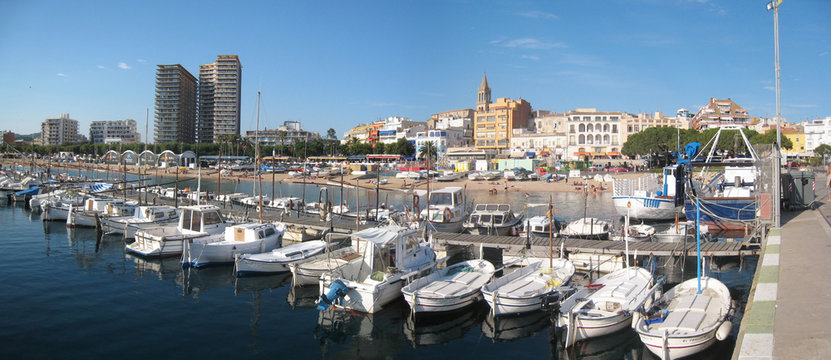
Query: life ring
x=448, y=215
x=416, y=201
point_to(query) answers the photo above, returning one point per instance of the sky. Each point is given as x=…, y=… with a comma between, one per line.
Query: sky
x=335, y=64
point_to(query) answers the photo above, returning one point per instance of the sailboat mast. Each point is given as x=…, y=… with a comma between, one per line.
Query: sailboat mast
x=257, y=159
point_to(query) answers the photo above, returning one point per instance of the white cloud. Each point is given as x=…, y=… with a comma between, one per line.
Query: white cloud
x=802, y=106
x=124, y=66
x=823, y=53
x=536, y=14
x=61, y=74
x=102, y=67
x=527, y=43
x=581, y=60
x=141, y=60
x=529, y=57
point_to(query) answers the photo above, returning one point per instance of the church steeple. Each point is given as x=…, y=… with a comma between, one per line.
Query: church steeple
x=484, y=99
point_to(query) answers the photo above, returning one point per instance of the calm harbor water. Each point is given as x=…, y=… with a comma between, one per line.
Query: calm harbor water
x=71, y=294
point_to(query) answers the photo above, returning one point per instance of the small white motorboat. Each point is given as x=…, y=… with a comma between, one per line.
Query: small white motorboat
x=451, y=288
x=277, y=260
x=686, y=321
x=587, y=228
x=237, y=240
x=309, y=272
x=605, y=306
x=144, y=217
x=391, y=256
x=525, y=289
x=194, y=222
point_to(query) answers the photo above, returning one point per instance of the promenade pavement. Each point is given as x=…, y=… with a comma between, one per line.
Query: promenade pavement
x=789, y=312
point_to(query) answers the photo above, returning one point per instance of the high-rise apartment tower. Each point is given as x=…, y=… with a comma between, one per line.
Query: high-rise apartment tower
x=219, y=98
x=175, y=105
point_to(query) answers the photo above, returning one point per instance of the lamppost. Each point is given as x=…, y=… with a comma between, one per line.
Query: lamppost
x=774, y=5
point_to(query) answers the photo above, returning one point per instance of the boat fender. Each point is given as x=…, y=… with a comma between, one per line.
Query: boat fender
x=448, y=215
x=636, y=318
x=416, y=201
x=724, y=330
x=337, y=289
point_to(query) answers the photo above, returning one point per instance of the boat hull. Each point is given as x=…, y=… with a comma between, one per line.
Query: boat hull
x=201, y=255
x=80, y=219
x=723, y=213
x=368, y=298
x=646, y=208
x=503, y=305
x=679, y=347
x=51, y=213
x=421, y=304
x=587, y=327
x=448, y=227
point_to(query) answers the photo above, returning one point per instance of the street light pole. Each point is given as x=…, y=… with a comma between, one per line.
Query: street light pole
x=774, y=5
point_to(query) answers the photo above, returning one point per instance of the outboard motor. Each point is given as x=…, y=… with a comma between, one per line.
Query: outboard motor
x=337, y=289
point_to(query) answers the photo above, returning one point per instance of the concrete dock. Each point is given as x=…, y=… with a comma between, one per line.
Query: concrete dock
x=789, y=306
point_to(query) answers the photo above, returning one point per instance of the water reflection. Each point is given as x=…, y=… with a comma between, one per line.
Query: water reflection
x=256, y=283
x=623, y=344
x=302, y=296
x=194, y=281
x=163, y=269
x=441, y=328
x=348, y=335
x=513, y=327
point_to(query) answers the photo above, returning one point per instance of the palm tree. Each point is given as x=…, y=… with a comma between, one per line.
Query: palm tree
x=427, y=148
x=282, y=136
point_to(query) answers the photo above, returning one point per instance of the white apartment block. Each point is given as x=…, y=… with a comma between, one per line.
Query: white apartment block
x=817, y=132
x=60, y=131
x=114, y=132
x=593, y=134
x=441, y=139
x=541, y=144
x=396, y=127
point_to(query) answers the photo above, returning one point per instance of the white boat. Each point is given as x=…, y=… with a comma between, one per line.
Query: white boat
x=493, y=219
x=475, y=176
x=239, y=239
x=278, y=260
x=587, y=228
x=415, y=175
x=647, y=198
x=194, y=222
x=255, y=200
x=287, y=203
x=686, y=321
x=540, y=226
x=391, y=255
x=233, y=197
x=526, y=288
x=492, y=175
x=309, y=272
x=144, y=217
x=448, y=210
x=451, y=288
x=85, y=215
x=57, y=209
x=604, y=307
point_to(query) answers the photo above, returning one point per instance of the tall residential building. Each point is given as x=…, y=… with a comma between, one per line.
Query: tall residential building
x=817, y=132
x=175, y=105
x=115, y=131
x=60, y=131
x=8, y=137
x=719, y=113
x=220, y=85
x=494, y=123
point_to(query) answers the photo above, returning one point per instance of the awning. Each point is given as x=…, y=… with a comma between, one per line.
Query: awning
x=581, y=153
x=613, y=153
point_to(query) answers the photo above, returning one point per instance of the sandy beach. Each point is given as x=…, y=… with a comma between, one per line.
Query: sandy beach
x=498, y=186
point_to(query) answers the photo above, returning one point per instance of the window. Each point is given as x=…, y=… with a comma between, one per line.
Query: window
x=196, y=221
x=614, y=128
x=571, y=128
x=590, y=128
x=581, y=140
x=212, y=218
x=582, y=128
x=186, y=219
x=269, y=231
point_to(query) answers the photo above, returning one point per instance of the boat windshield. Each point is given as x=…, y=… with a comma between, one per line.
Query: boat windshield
x=441, y=199
x=497, y=219
x=486, y=219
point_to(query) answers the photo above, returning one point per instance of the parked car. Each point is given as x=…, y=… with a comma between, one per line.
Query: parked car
x=618, y=169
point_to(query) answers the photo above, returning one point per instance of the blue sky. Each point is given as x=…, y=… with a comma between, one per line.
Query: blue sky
x=340, y=63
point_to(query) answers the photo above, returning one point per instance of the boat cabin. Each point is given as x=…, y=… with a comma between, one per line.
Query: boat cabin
x=155, y=213
x=201, y=218
x=249, y=232
x=488, y=215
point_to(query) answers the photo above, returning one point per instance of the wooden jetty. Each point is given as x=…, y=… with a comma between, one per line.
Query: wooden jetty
x=516, y=244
